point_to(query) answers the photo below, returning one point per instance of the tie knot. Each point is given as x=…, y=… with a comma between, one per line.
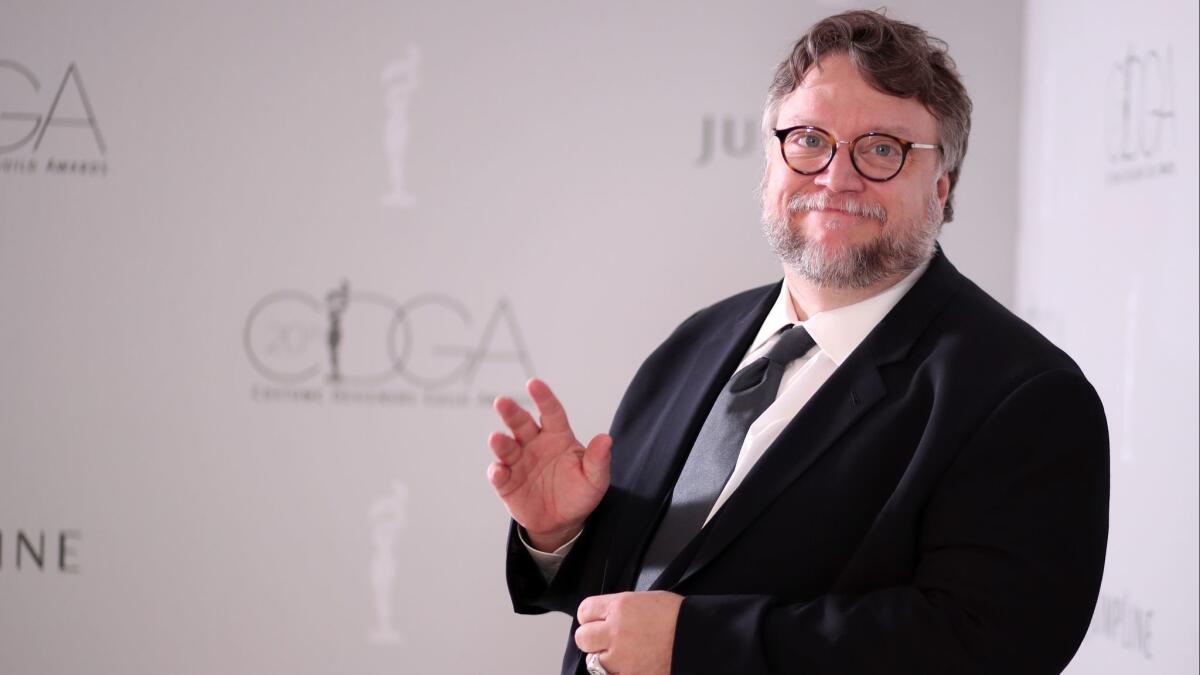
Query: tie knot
x=792, y=344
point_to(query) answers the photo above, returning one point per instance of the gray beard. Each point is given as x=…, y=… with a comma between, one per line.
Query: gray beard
x=894, y=253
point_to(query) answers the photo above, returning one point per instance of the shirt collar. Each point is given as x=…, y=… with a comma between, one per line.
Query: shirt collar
x=837, y=332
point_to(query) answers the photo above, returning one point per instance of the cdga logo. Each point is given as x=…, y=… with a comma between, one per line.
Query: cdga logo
x=1139, y=124
x=61, y=119
x=353, y=338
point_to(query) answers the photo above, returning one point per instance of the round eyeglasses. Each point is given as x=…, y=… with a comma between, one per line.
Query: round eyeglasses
x=876, y=156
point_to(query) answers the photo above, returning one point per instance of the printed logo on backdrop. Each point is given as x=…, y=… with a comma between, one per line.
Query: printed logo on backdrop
x=399, y=80
x=39, y=551
x=729, y=137
x=48, y=126
x=1124, y=622
x=347, y=345
x=1139, y=116
x=387, y=518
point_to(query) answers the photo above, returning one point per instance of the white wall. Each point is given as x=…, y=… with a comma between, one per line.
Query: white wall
x=1107, y=267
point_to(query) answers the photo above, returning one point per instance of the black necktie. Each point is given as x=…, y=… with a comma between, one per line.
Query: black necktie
x=749, y=392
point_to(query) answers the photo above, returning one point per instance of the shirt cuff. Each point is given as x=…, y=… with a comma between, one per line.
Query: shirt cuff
x=547, y=563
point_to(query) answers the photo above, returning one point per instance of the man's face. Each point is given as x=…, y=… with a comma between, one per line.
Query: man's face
x=805, y=217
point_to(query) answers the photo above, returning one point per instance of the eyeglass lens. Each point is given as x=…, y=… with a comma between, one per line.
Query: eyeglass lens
x=875, y=156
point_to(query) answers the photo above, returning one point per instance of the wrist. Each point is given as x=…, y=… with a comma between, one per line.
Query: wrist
x=552, y=540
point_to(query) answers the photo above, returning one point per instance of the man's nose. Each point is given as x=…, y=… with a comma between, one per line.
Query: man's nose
x=840, y=175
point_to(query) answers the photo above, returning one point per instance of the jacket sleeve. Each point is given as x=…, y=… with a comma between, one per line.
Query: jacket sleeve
x=1011, y=552
x=580, y=575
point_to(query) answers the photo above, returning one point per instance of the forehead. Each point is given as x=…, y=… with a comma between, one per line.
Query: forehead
x=835, y=97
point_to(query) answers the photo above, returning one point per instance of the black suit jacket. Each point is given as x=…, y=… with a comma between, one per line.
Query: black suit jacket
x=939, y=506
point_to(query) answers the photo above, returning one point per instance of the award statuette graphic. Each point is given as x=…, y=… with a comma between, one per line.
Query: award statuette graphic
x=336, y=302
x=399, y=79
x=387, y=516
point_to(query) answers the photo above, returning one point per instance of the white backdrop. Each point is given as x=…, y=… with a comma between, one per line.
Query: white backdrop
x=1107, y=268
x=202, y=203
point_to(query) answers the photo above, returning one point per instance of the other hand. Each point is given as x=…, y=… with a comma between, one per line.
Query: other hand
x=632, y=633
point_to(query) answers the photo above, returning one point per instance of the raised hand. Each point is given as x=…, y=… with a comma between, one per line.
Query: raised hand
x=547, y=479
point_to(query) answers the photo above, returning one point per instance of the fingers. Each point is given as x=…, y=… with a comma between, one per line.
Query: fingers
x=506, y=449
x=517, y=419
x=593, y=637
x=522, y=424
x=595, y=608
x=597, y=458
x=498, y=475
x=594, y=633
x=554, y=418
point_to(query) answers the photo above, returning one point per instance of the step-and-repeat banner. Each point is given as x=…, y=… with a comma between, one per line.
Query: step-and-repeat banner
x=1107, y=268
x=264, y=266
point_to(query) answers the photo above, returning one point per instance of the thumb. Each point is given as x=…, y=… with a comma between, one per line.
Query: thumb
x=596, y=459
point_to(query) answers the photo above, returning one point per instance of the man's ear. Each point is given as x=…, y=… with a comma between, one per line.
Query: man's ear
x=943, y=187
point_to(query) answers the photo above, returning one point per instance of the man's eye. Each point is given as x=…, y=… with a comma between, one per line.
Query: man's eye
x=883, y=150
x=808, y=140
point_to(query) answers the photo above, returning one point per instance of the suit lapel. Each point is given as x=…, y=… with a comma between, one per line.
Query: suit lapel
x=680, y=421
x=849, y=394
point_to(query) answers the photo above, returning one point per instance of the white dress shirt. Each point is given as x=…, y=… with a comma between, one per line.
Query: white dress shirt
x=837, y=332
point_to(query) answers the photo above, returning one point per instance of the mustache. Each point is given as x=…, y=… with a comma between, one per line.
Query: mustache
x=819, y=201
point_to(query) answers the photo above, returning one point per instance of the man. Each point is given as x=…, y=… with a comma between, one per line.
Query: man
x=872, y=467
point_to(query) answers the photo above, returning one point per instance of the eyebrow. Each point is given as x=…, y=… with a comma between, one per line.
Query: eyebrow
x=895, y=130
